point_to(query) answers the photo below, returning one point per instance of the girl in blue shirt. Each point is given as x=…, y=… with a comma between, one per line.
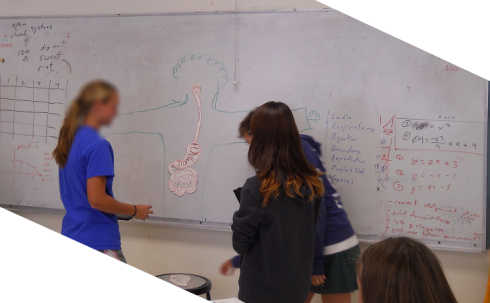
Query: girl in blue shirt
x=86, y=172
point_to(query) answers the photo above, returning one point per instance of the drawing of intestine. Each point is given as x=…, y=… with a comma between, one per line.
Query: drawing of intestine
x=183, y=179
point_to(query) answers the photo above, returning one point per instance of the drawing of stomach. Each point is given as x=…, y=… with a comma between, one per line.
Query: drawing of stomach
x=192, y=155
x=183, y=179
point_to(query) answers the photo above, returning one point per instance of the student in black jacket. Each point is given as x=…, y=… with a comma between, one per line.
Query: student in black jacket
x=274, y=228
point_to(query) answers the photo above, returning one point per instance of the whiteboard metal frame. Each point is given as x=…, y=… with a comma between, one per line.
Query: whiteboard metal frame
x=205, y=13
x=431, y=246
x=486, y=192
x=208, y=225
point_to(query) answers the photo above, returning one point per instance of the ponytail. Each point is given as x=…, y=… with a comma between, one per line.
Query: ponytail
x=92, y=92
x=67, y=134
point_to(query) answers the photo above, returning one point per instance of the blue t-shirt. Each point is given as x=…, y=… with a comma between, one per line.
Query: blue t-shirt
x=90, y=156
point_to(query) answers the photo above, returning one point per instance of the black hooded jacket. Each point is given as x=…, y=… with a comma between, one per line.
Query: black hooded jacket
x=277, y=243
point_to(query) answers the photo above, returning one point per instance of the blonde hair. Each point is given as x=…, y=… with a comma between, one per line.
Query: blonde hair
x=88, y=96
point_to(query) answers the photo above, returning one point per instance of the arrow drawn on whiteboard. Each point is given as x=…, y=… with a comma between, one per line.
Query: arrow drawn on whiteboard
x=174, y=103
x=68, y=64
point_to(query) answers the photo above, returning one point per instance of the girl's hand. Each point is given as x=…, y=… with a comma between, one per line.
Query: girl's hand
x=225, y=267
x=143, y=212
x=318, y=280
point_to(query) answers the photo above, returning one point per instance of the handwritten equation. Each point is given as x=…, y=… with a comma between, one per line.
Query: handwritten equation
x=419, y=174
x=438, y=134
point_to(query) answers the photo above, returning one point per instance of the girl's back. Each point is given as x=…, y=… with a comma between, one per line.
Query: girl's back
x=274, y=228
x=89, y=156
x=276, y=266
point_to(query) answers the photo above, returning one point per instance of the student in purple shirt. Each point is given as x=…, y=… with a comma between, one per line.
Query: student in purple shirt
x=336, y=246
x=86, y=172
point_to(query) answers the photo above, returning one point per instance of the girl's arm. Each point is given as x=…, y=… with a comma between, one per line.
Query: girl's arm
x=246, y=222
x=313, y=157
x=235, y=261
x=99, y=200
x=321, y=229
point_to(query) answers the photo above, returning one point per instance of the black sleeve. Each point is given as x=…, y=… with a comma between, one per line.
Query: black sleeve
x=237, y=193
x=318, y=204
x=246, y=221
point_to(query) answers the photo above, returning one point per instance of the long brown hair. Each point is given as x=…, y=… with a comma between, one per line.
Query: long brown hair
x=402, y=270
x=94, y=91
x=276, y=153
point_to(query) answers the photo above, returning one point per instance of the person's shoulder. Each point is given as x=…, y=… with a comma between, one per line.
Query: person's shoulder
x=252, y=181
x=251, y=189
x=306, y=138
x=310, y=151
x=99, y=145
x=87, y=134
x=104, y=142
x=84, y=138
x=93, y=141
x=306, y=145
x=252, y=185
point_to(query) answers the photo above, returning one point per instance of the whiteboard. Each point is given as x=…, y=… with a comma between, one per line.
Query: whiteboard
x=403, y=132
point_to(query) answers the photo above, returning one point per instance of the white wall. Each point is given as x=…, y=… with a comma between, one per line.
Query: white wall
x=160, y=249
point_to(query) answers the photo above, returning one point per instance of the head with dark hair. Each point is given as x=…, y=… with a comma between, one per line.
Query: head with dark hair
x=277, y=155
x=244, y=128
x=402, y=270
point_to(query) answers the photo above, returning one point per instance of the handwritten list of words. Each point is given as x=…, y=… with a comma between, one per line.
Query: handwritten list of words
x=346, y=152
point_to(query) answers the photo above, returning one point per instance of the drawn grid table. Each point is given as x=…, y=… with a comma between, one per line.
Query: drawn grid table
x=30, y=108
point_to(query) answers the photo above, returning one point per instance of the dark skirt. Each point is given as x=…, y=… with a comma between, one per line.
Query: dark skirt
x=341, y=273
